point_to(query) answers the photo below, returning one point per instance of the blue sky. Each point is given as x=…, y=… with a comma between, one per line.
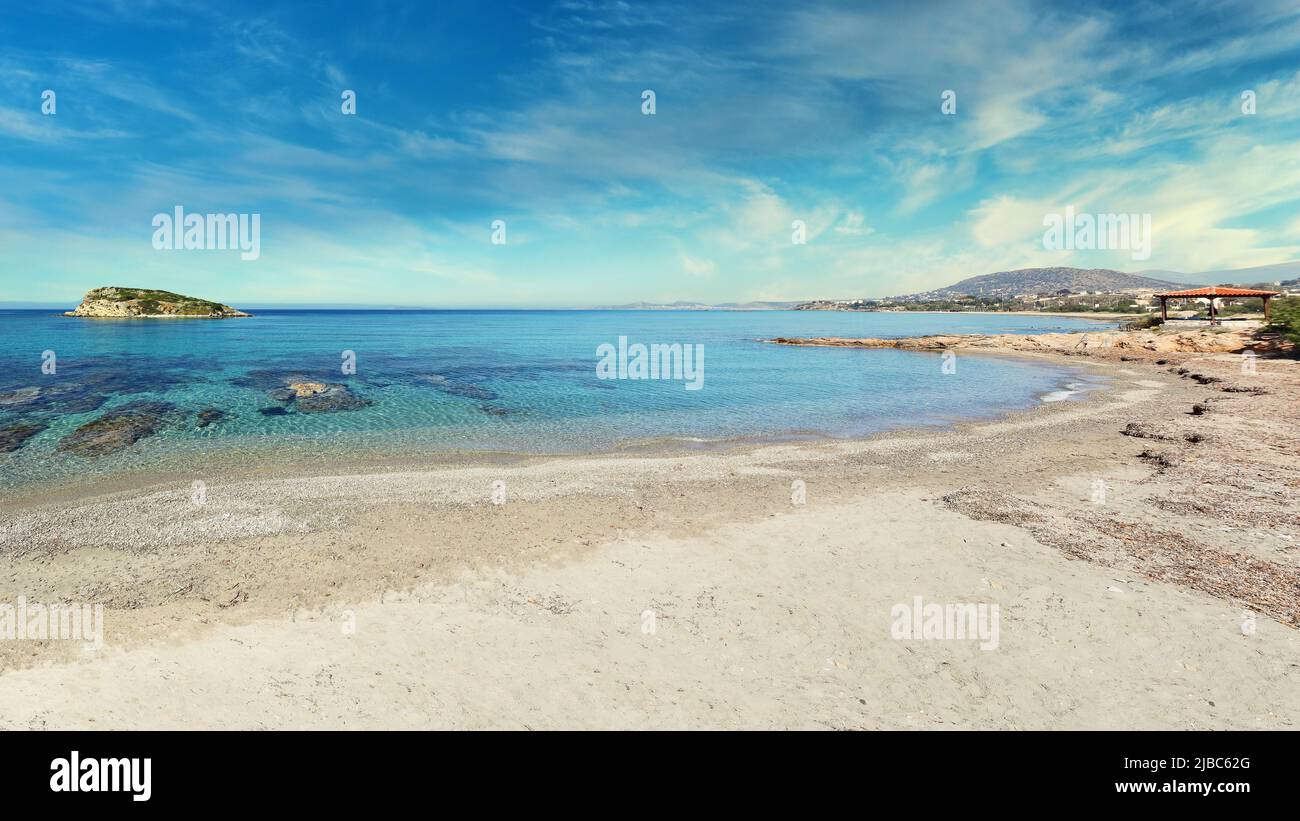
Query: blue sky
x=766, y=113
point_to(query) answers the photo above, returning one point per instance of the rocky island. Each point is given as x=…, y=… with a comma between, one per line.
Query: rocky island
x=128, y=303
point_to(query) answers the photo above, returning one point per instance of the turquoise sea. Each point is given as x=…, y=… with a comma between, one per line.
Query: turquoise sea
x=439, y=381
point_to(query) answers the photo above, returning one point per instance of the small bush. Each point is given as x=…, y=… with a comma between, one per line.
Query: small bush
x=1143, y=323
x=1286, y=318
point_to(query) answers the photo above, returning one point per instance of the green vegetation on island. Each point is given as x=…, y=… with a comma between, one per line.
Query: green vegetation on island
x=117, y=302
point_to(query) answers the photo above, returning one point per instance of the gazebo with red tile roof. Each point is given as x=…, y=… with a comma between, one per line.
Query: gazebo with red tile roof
x=1213, y=293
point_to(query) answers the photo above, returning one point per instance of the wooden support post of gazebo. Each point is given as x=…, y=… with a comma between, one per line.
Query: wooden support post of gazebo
x=1213, y=293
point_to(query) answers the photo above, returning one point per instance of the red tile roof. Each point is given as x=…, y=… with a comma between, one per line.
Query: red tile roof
x=1219, y=290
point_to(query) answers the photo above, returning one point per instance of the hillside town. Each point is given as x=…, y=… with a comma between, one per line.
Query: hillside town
x=1132, y=300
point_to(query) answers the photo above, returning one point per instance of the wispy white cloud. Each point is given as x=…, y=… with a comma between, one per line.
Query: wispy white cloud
x=826, y=113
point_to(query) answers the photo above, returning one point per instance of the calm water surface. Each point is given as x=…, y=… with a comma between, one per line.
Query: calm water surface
x=486, y=380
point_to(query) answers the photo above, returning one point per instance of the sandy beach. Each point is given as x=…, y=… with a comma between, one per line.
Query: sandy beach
x=1141, y=544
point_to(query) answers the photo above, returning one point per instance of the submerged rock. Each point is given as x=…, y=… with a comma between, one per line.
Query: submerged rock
x=330, y=398
x=20, y=397
x=468, y=391
x=296, y=390
x=258, y=379
x=71, y=399
x=118, y=428
x=15, y=436
x=302, y=393
x=79, y=403
x=210, y=416
x=274, y=410
x=301, y=389
x=456, y=387
x=56, y=399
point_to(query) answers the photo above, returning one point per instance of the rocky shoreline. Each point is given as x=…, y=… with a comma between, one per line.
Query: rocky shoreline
x=1088, y=342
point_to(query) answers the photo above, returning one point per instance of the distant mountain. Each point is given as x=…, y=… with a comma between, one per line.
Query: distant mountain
x=1045, y=281
x=1279, y=272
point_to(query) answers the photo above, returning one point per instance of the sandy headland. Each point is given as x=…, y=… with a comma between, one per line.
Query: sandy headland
x=1140, y=547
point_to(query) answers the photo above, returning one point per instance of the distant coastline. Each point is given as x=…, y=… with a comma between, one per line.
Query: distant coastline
x=60, y=310
x=1078, y=281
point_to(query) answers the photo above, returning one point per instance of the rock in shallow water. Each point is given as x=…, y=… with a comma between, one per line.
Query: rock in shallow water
x=15, y=436
x=467, y=391
x=22, y=396
x=330, y=398
x=304, y=394
x=274, y=410
x=53, y=399
x=210, y=416
x=456, y=387
x=118, y=428
x=77, y=402
x=301, y=389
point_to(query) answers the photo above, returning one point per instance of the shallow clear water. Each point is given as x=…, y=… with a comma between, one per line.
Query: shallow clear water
x=489, y=380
